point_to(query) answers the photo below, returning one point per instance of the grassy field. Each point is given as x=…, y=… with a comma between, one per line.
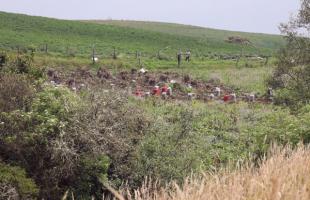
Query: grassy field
x=74, y=37
x=70, y=45
x=250, y=79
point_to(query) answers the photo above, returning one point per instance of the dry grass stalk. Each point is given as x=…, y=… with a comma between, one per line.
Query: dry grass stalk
x=285, y=175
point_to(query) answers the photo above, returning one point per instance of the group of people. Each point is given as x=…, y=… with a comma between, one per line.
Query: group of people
x=232, y=97
x=187, y=56
x=166, y=90
x=163, y=91
x=226, y=98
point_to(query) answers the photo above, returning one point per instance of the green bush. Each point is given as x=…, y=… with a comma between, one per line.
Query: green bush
x=304, y=121
x=62, y=130
x=3, y=59
x=23, y=63
x=90, y=176
x=187, y=139
x=291, y=76
x=170, y=151
x=279, y=127
x=49, y=111
x=14, y=178
x=16, y=92
x=35, y=137
x=52, y=108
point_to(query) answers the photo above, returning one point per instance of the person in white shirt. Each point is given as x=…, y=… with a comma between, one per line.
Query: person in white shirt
x=187, y=55
x=217, y=91
x=179, y=57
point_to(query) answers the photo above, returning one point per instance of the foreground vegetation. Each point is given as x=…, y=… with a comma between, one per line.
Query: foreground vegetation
x=283, y=175
x=59, y=140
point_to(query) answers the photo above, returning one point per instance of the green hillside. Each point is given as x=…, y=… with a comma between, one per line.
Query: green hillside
x=127, y=37
x=259, y=40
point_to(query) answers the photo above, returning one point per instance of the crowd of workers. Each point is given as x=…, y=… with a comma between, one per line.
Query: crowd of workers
x=165, y=91
x=187, y=56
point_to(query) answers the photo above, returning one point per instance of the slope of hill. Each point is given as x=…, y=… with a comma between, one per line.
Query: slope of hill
x=260, y=40
x=60, y=35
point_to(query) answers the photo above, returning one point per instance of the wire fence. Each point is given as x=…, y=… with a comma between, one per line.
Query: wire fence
x=108, y=52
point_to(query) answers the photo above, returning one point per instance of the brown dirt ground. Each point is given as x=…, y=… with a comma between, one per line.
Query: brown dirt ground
x=133, y=80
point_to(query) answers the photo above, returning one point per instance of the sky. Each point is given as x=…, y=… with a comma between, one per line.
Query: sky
x=262, y=16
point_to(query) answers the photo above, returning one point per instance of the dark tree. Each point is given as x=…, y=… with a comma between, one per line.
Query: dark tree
x=291, y=78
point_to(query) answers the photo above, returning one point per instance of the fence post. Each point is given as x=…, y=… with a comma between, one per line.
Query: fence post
x=114, y=53
x=238, y=59
x=240, y=56
x=267, y=59
x=93, y=54
x=139, y=59
x=179, y=58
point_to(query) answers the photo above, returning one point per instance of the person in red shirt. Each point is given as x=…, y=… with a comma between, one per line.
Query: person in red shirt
x=226, y=98
x=138, y=92
x=156, y=91
x=164, y=89
x=169, y=91
x=233, y=97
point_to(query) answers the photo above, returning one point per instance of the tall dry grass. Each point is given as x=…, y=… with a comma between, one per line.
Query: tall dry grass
x=285, y=175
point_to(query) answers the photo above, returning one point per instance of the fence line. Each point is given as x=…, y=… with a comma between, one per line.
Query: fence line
x=114, y=53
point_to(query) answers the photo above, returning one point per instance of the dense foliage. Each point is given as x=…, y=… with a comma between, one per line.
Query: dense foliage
x=291, y=78
x=15, y=185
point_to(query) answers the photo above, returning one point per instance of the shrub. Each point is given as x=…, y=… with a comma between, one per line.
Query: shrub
x=15, y=185
x=109, y=125
x=32, y=138
x=304, y=121
x=285, y=174
x=186, y=139
x=248, y=65
x=91, y=173
x=62, y=130
x=16, y=92
x=281, y=127
x=291, y=76
x=170, y=150
x=23, y=63
x=3, y=59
